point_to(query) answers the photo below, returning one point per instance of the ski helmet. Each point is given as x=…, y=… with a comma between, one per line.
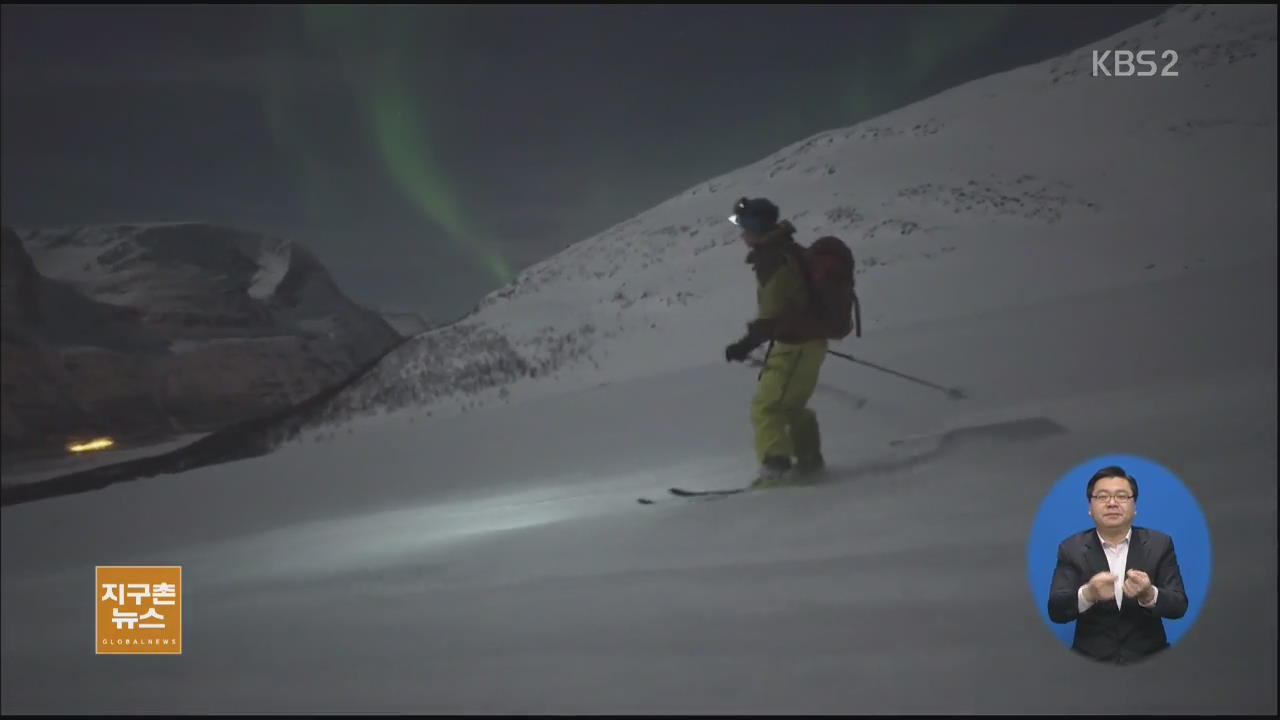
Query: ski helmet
x=757, y=215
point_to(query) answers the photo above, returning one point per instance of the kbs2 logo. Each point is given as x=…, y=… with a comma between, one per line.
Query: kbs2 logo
x=139, y=610
x=1123, y=63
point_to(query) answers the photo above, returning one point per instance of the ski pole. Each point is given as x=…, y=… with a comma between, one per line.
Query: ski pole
x=953, y=393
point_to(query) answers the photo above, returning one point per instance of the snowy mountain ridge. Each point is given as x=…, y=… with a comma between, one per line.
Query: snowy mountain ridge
x=986, y=195
x=141, y=330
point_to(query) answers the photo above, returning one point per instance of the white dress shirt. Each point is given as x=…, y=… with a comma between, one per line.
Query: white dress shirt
x=1117, y=558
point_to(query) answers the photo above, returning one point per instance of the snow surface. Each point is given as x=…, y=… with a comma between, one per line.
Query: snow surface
x=495, y=561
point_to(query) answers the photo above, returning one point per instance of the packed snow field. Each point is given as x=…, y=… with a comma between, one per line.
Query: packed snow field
x=497, y=560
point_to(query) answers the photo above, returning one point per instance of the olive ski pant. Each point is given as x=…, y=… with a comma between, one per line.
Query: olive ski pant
x=783, y=426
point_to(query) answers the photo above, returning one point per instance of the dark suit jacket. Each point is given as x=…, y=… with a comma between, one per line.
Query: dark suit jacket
x=1105, y=632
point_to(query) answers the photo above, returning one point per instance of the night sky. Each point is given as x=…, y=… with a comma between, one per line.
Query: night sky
x=429, y=153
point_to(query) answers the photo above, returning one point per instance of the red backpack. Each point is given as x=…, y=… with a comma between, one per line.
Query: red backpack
x=829, y=266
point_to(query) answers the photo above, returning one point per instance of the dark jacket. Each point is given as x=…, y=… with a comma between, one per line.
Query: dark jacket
x=783, y=297
x=1105, y=632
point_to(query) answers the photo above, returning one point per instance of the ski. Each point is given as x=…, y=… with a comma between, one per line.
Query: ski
x=681, y=492
x=696, y=494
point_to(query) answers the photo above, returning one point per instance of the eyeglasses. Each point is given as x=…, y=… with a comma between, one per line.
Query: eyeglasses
x=1106, y=497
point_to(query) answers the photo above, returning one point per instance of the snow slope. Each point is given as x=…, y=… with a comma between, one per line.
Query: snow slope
x=496, y=561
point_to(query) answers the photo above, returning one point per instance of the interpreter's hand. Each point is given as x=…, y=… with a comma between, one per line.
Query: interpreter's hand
x=1101, y=587
x=1137, y=586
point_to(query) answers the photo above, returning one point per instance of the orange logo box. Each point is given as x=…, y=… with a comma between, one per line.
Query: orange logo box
x=139, y=610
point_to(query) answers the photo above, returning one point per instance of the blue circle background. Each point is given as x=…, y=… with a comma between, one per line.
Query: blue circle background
x=1164, y=504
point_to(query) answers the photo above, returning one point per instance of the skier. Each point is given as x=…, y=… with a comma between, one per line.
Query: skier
x=784, y=427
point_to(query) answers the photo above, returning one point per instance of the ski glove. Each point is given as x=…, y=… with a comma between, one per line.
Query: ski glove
x=758, y=332
x=740, y=350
